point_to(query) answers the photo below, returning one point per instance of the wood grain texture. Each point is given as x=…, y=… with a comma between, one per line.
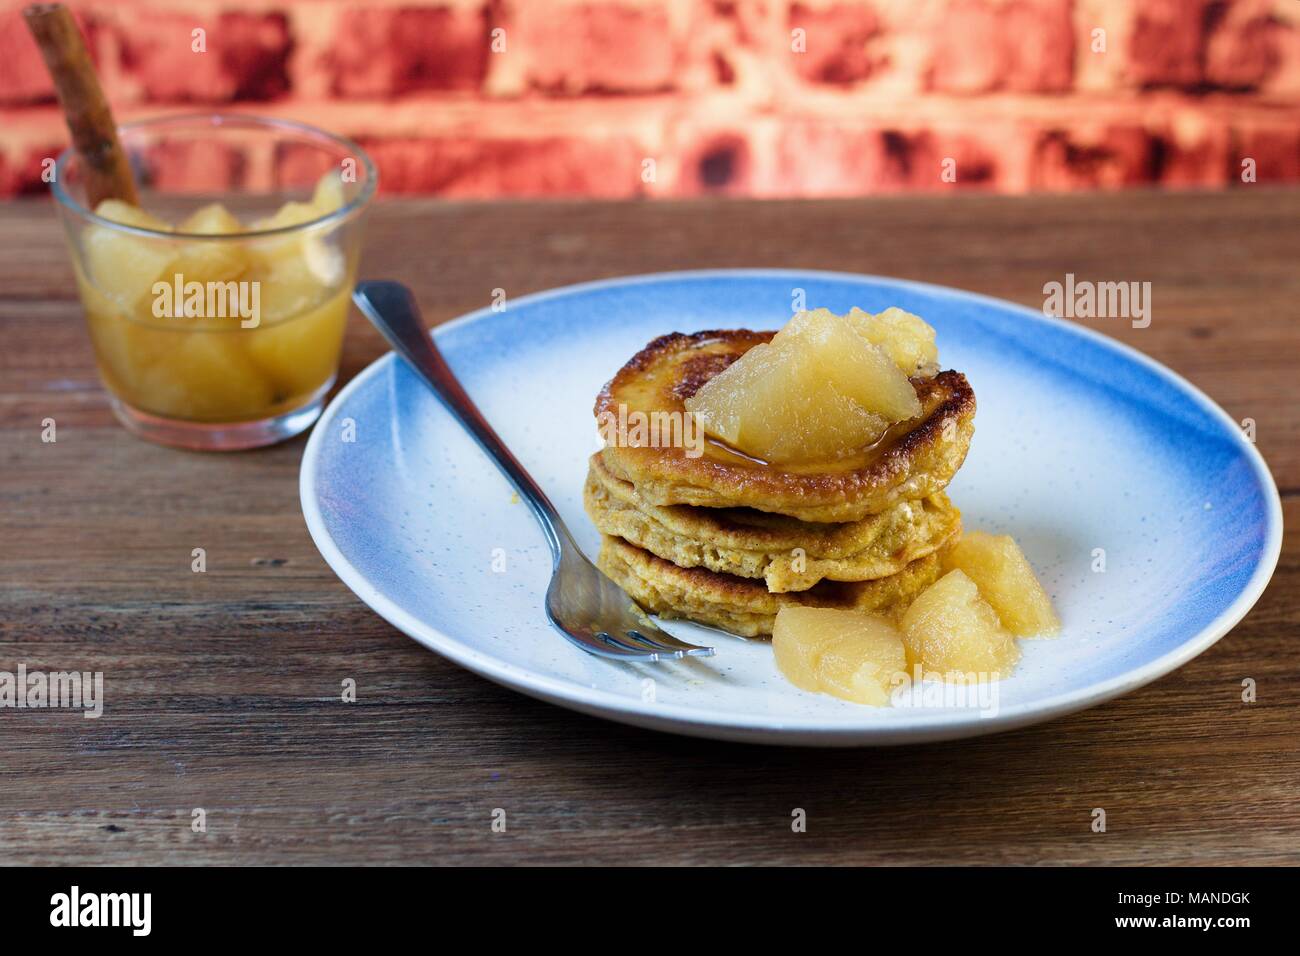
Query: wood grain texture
x=223, y=688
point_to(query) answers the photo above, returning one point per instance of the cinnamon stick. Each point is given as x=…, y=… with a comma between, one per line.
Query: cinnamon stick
x=90, y=120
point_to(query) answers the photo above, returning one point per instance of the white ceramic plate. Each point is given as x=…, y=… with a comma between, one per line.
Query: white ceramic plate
x=1083, y=446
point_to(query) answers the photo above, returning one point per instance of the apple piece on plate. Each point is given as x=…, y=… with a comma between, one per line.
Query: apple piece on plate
x=816, y=392
x=863, y=663
x=837, y=354
x=1005, y=579
x=906, y=338
x=764, y=405
x=853, y=655
x=951, y=629
x=720, y=403
x=798, y=638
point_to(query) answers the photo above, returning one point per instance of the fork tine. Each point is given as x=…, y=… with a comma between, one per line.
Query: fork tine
x=608, y=647
x=645, y=649
x=661, y=649
x=677, y=648
x=602, y=644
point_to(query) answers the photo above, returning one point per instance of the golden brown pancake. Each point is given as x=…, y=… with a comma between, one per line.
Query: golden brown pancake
x=913, y=459
x=743, y=605
x=788, y=554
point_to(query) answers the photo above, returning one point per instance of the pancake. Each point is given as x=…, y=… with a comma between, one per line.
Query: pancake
x=743, y=605
x=913, y=459
x=788, y=554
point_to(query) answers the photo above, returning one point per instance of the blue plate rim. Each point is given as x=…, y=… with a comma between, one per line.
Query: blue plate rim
x=758, y=728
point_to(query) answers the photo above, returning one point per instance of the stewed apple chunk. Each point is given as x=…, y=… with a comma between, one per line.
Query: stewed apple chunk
x=206, y=377
x=817, y=391
x=125, y=266
x=848, y=654
x=765, y=406
x=852, y=365
x=799, y=636
x=328, y=195
x=906, y=338
x=1004, y=578
x=951, y=629
x=275, y=250
x=210, y=260
x=301, y=354
x=863, y=664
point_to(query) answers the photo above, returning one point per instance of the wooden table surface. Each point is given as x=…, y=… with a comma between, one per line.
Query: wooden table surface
x=222, y=689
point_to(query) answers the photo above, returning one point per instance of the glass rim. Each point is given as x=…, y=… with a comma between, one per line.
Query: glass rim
x=348, y=210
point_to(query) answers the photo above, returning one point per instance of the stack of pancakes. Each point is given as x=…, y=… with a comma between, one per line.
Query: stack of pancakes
x=726, y=540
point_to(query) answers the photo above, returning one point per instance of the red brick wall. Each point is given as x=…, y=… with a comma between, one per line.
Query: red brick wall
x=746, y=97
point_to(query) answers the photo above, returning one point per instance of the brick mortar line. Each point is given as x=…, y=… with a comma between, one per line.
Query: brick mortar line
x=1192, y=201
x=546, y=117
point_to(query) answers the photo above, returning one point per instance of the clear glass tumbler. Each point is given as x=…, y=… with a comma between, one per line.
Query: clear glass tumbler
x=217, y=306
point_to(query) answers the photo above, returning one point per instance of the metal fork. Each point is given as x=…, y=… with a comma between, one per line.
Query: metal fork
x=584, y=605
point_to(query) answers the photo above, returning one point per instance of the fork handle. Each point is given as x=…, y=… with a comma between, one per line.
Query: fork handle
x=392, y=309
